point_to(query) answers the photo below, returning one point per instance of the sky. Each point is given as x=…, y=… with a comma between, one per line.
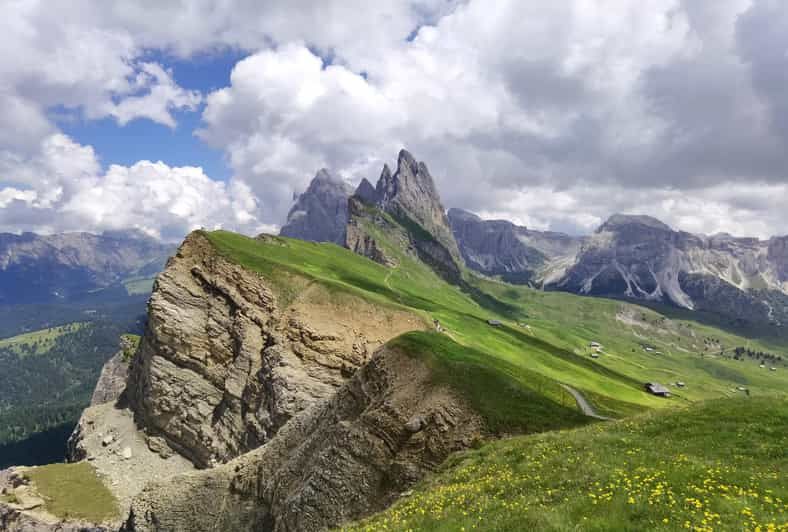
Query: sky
x=170, y=115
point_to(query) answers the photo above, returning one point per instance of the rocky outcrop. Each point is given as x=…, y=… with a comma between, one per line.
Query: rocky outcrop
x=499, y=247
x=228, y=356
x=360, y=240
x=339, y=461
x=112, y=380
x=320, y=213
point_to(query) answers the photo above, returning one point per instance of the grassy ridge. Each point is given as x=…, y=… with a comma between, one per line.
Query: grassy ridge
x=510, y=399
x=715, y=466
x=554, y=346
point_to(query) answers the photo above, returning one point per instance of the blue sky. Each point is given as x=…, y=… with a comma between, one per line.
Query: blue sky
x=143, y=139
x=554, y=115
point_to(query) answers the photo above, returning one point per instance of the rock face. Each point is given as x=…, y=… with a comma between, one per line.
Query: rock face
x=38, y=269
x=320, y=213
x=641, y=257
x=499, y=247
x=112, y=380
x=339, y=461
x=411, y=193
x=224, y=363
x=404, y=207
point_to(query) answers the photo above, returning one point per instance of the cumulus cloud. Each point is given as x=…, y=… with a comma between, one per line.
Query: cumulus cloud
x=556, y=114
x=664, y=102
x=158, y=199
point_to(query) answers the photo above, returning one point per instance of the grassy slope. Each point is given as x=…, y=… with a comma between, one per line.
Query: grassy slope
x=512, y=400
x=715, y=466
x=552, y=350
x=74, y=491
x=38, y=342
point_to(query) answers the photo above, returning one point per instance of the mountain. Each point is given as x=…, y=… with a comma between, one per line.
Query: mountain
x=499, y=247
x=320, y=213
x=642, y=258
x=64, y=301
x=287, y=385
x=403, y=209
x=637, y=257
x=62, y=267
x=410, y=193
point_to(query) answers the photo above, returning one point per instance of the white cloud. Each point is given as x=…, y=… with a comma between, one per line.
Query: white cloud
x=647, y=102
x=162, y=97
x=553, y=113
x=156, y=198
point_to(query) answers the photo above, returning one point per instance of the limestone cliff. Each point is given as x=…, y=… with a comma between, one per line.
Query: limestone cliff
x=228, y=356
x=641, y=257
x=410, y=193
x=112, y=380
x=340, y=460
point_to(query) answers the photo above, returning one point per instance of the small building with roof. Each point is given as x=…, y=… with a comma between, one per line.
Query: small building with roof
x=655, y=388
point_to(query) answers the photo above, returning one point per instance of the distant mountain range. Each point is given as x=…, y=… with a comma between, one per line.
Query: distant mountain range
x=628, y=256
x=63, y=267
x=64, y=298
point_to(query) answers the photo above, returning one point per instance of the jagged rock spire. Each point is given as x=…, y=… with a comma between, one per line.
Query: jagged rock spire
x=411, y=192
x=320, y=213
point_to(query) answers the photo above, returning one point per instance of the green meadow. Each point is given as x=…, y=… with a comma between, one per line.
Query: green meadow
x=716, y=465
x=710, y=457
x=544, y=337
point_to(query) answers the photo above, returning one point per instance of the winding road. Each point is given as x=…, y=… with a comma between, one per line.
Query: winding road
x=583, y=404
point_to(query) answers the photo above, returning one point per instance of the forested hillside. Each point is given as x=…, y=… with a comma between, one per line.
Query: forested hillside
x=46, y=379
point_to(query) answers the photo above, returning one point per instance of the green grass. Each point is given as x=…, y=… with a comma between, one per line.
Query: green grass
x=717, y=465
x=39, y=342
x=555, y=347
x=74, y=491
x=129, y=343
x=510, y=399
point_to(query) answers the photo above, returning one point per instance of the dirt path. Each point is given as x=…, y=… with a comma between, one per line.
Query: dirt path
x=388, y=277
x=583, y=404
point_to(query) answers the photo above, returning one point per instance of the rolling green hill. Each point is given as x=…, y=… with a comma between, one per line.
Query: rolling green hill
x=543, y=337
x=709, y=457
x=38, y=342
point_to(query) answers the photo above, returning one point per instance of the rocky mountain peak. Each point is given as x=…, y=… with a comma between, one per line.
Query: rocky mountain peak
x=411, y=192
x=619, y=221
x=461, y=215
x=320, y=213
x=386, y=187
x=499, y=247
x=366, y=192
